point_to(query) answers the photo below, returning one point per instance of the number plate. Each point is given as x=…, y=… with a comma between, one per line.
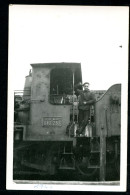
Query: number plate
x=52, y=121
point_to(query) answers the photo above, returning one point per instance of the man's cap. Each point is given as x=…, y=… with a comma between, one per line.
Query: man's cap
x=86, y=83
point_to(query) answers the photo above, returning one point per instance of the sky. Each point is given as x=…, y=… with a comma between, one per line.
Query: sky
x=97, y=37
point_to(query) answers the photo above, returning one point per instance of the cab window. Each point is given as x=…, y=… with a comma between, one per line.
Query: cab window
x=61, y=86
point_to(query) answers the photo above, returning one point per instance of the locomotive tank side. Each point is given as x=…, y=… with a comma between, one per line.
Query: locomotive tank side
x=108, y=112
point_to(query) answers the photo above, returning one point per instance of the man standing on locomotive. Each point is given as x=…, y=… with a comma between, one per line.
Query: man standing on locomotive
x=86, y=99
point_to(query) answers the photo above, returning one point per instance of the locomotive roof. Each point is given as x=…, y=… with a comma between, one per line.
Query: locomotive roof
x=71, y=65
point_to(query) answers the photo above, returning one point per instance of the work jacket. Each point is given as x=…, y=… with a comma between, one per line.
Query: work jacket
x=86, y=99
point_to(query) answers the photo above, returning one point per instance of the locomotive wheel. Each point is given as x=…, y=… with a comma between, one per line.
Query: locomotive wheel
x=82, y=166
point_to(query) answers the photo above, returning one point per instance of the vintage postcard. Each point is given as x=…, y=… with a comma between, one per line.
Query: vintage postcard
x=67, y=98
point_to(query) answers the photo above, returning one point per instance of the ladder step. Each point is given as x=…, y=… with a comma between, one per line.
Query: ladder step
x=67, y=153
x=96, y=151
x=69, y=168
x=93, y=166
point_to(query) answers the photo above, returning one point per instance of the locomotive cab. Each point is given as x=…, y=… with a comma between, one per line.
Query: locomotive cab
x=52, y=95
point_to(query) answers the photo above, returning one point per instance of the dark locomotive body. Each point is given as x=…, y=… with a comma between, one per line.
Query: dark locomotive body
x=45, y=123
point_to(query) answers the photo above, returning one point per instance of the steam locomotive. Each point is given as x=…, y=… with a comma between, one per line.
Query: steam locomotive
x=46, y=120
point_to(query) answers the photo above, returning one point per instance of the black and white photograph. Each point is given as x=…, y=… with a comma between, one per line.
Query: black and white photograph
x=67, y=98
